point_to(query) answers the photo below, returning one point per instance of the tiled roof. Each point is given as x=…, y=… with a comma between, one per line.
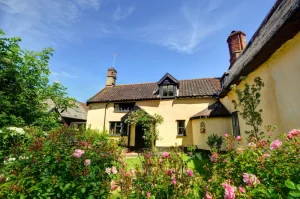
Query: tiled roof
x=204, y=87
x=215, y=110
x=79, y=111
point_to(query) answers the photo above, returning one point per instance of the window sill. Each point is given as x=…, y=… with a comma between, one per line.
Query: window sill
x=167, y=97
x=180, y=135
x=121, y=111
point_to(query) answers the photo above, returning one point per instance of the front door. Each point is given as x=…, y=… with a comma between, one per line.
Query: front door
x=139, y=140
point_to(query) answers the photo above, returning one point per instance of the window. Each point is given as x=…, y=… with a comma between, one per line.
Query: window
x=118, y=128
x=181, y=127
x=167, y=90
x=235, y=124
x=115, y=128
x=124, y=107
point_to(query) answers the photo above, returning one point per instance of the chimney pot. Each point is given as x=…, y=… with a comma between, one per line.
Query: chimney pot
x=236, y=44
x=111, y=77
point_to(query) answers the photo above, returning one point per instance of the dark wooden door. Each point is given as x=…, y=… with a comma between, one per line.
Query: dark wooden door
x=139, y=140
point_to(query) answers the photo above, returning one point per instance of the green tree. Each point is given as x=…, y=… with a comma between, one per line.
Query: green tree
x=24, y=85
x=247, y=102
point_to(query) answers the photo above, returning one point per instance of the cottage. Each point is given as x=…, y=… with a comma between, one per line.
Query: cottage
x=194, y=109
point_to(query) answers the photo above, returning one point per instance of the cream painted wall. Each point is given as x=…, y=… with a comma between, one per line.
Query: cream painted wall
x=280, y=98
x=218, y=126
x=170, y=110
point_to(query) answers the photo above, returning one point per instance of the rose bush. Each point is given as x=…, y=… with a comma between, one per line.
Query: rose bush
x=265, y=169
x=66, y=163
x=161, y=175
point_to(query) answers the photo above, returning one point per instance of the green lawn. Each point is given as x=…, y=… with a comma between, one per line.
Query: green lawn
x=194, y=163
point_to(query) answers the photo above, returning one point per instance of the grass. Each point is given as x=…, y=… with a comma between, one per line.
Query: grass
x=193, y=163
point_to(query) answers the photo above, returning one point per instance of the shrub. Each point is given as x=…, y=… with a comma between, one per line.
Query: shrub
x=66, y=163
x=265, y=169
x=10, y=141
x=214, y=141
x=161, y=175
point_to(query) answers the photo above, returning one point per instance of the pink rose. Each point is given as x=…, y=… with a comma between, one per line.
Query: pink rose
x=174, y=182
x=121, y=170
x=250, y=179
x=78, y=153
x=190, y=172
x=132, y=171
x=165, y=154
x=267, y=155
x=229, y=191
x=263, y=142
x=226, y=135
x=242, y=189
x=252, y=145
x=169, y=172
x=148, y=155
x=114, y=170
x=275, y=144
x=208, y=196
x=293, y=133
x=113, y=185
x=148, y=195
x=127, y=174
x=214, y=157
x=238, y=138
x=87, y=162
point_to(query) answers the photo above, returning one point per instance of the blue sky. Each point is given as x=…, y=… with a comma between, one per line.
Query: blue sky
x=186, y=38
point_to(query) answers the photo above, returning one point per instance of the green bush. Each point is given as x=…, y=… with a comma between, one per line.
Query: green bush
x=214, y=141
x=66, y=163
x=265, y=169
x=160, y=175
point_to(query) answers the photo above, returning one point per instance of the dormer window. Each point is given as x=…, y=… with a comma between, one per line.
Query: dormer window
x=168, y=90
x=168, y=86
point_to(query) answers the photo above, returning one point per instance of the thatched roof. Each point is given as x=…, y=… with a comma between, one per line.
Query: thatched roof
x=281, y=24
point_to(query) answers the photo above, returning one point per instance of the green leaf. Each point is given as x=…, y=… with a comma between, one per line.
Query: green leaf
x=83, y=190
x=295, y=194
x=276, y=171
x=298, y=187
x=290, y=184
x=67, y=186
x=91, y=197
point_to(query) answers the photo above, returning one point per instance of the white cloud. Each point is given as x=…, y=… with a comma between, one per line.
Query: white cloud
x=186, y=31
x=122, y=13
x=43, y=23
x=63, y=74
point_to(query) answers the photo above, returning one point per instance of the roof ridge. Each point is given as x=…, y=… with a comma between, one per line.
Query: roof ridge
x=178, y=80
x=135, y=84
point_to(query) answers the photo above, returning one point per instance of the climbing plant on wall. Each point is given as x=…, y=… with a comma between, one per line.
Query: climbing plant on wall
x=149, y=124
x=247, y=102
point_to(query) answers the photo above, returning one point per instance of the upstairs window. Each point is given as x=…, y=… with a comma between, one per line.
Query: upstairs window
x=180, y=127
x=118, y=128
x=124, y=107
x=168, y=91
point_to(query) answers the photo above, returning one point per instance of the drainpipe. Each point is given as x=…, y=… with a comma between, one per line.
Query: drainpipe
x=105, y=116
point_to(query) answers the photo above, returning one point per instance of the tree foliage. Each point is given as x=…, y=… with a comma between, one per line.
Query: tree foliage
x=24, y=85
x=247, y=102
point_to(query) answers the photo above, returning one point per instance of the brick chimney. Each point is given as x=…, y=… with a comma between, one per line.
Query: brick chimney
x=236, y=44
x=111, y=77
